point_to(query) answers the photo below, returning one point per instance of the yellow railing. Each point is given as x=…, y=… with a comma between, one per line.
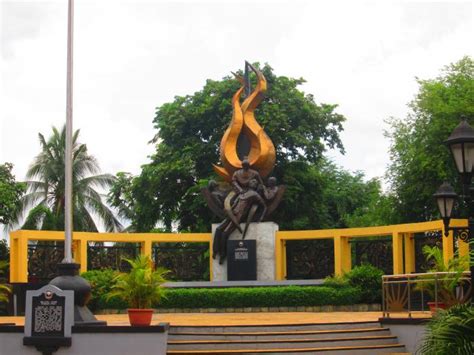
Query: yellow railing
x=402, y=241
x=403, y=244
x=19, y=245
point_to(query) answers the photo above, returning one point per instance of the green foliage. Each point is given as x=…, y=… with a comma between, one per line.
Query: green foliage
x=44, y=201
x=366, y=278
x=336, y=281
x=450, y=332
x=101, y=282
x=285, y=296
x=419, y=159
x=350, y=201
x=10, y=193
x=141, y=287
x=4, y=250
x=445, y=284
x=289, y=296
x=377, y=211
x=121, y=196
x=5, y=289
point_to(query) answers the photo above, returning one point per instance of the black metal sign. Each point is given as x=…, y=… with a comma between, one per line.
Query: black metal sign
x=241, y=260
x=48, y=315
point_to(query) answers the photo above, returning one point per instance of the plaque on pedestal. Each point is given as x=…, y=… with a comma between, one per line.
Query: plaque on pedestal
x=48, y=318
x=241, y=260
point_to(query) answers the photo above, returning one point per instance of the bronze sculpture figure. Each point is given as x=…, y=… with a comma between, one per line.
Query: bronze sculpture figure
x=247, y=156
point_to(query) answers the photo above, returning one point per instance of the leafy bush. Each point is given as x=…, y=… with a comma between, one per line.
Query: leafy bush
x=450, y=332
x=101, y=282
x=336, y=281
x=367, y=278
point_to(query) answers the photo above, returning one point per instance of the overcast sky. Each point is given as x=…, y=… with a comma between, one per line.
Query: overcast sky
x=132, y=56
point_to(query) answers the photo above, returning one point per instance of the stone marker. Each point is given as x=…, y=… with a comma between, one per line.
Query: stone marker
x=49, y=316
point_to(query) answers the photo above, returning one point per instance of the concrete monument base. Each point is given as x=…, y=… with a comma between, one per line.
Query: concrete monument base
x=264, y=233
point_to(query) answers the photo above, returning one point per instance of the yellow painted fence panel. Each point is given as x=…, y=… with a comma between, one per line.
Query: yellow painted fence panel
x=402, y=239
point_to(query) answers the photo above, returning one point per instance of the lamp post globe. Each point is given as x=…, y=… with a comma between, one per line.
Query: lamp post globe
x=461, y=144
x=445, y=197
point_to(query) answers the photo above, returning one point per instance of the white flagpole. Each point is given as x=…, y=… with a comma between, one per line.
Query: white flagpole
x=68, y=154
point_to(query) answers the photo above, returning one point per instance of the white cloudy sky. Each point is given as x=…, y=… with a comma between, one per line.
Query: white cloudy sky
x=131, y=56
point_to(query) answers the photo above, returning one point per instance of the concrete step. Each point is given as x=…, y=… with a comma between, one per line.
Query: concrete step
x=292, y=334
x=272, y=327
x=279, y=343
x=334, y=350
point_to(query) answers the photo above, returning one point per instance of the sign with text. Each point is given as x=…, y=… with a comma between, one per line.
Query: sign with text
x=241, y=260
x=49, y=312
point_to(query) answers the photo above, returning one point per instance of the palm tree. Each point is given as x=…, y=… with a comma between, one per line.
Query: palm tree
x=44, y=199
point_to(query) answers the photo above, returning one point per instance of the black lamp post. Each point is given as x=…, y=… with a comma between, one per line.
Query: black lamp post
x=445, y=197
x=461, y=144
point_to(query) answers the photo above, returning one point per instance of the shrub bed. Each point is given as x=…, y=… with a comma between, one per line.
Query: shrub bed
x=360, y=285
x=282, y=296
x=366, y=278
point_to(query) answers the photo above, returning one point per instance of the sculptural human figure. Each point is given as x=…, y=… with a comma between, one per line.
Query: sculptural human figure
x=270, y=191
x=242, y=177
x=217, y=195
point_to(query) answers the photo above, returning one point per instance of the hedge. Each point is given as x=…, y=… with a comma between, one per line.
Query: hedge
x=361, y=285
x=284, y=296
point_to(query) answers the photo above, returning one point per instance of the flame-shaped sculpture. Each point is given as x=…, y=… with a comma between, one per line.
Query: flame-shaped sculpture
x=244, y=136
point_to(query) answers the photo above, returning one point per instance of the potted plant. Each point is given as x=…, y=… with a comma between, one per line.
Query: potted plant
x=442, y=286
x=141, y=288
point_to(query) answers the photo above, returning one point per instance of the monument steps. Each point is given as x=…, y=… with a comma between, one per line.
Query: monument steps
x=267, y=328
x=315, y=334
x=336, y=338
x=284, y=343
x=358, y=350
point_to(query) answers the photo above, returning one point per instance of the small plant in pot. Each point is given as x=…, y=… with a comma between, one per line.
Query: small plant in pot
x=141, y=288
x=443, y=286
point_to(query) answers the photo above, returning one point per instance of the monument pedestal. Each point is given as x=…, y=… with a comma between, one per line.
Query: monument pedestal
x=264, y=235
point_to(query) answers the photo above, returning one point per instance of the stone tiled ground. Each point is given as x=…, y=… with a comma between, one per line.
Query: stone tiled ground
x=246, y=318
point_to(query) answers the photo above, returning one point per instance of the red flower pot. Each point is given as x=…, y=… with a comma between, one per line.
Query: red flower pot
x=140, y=317
x=434, y=308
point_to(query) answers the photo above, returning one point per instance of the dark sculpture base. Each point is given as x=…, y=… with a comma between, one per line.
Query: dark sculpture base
x=69, y=279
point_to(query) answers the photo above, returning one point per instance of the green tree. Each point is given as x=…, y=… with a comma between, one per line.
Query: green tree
x=44, y=201
x=419, y=159
x=187, y=143
x=10, y=193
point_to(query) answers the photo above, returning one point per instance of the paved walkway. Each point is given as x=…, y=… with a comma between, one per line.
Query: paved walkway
x=246, y=318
